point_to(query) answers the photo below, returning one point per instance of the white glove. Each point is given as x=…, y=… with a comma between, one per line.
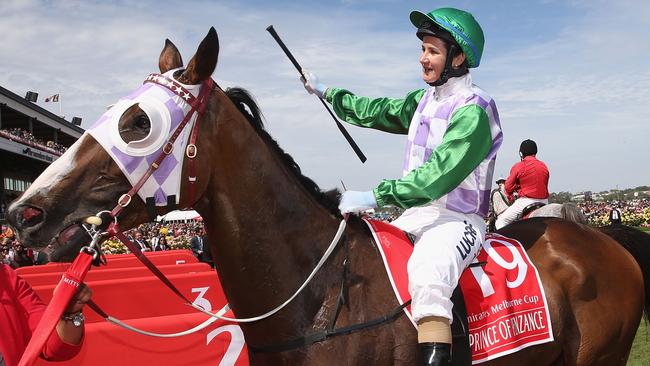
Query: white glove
x=312, y=84
x=355, y=201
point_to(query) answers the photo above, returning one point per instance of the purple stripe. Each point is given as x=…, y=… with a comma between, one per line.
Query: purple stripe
x=130, y=163
x=167, y=166
x=493, y=106
x=176, y=113
x=160, y=196
x=496, y=143
x=485, y=201
x=465, y=201
x=444, y=111
x=425, y=100
x=481, y=102
x=422, y=133
x=462, y=200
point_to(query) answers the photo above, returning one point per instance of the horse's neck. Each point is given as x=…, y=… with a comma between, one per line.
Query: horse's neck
x=268, y=230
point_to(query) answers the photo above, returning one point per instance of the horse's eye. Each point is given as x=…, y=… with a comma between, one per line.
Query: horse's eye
x=142, y=123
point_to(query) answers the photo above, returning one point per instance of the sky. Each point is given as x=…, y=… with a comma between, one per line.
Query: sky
x=571, y=75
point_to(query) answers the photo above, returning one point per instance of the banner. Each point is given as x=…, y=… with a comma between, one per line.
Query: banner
x=506, y=304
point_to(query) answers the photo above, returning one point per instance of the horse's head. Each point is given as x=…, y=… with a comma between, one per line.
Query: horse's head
x=115, y=153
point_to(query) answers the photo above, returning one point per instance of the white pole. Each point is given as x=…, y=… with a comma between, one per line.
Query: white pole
x=60, y=107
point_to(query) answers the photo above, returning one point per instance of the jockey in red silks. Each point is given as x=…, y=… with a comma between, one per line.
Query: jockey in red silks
x=453, y=136
x=529, y=178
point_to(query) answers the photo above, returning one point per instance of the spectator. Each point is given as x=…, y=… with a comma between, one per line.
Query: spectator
x=141, y=241
x=153, y=240
x=21, y=256
x=498, y=203
x=196, y=243
x=162, y=243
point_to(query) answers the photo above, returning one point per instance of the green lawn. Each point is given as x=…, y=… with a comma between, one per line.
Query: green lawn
x=640, y=354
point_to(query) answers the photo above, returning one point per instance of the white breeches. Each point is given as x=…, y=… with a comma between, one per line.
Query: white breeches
x=443, y=249
x=511, y=214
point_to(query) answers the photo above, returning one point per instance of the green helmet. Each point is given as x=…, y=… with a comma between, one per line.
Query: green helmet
x=461, y=25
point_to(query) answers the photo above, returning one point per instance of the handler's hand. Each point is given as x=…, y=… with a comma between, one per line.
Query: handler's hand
x=83, y=295
x=355, y=201
x=312, y=84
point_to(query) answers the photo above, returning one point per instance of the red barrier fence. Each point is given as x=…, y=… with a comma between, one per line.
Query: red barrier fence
x=126, y=290
x=95, y=274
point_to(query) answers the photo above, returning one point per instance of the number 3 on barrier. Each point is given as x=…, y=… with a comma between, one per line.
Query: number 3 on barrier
x=201, y=300
x=517, y=262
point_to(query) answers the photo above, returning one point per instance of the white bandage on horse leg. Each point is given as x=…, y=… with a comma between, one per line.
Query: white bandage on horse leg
x=434, y=329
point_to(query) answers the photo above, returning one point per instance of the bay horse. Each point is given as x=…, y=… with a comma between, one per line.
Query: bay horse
x=269, y=225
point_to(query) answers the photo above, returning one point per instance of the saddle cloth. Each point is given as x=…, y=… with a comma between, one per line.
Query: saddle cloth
x=506, y=305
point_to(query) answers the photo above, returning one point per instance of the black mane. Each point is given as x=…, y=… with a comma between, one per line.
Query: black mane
x=247, y=106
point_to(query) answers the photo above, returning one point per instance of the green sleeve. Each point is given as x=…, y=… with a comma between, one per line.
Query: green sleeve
x=464, y=146
x=386, y=114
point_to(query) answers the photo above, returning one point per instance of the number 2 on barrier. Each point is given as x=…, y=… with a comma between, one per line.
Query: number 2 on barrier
x=236, y=335
x=517, y=262
x=236, y=343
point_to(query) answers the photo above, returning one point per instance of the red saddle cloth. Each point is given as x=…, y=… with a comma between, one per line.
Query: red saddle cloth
x=506, y=305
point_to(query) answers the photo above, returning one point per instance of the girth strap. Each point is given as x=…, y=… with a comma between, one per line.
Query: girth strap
x=325, y=334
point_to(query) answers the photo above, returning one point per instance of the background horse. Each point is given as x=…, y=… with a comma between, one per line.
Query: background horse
x=269, y=225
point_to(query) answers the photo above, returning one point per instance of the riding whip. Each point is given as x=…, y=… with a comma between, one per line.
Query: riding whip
x=295, y=63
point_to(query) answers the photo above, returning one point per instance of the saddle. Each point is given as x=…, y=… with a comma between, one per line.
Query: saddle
x=529, y=209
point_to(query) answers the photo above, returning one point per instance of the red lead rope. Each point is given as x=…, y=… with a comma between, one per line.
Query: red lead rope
x=63, y=292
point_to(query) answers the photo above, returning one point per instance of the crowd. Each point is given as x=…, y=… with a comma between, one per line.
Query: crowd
x=634, y=212
x=14, y=253
x=150, y=237
x=28, y=138
x=156, y=236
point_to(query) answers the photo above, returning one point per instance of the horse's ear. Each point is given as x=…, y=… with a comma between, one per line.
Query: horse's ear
x=170, y=58
x=203, y=63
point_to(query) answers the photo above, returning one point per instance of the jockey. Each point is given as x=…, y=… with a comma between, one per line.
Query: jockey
x=529, y=178
x=499, y=202
x=453, y=135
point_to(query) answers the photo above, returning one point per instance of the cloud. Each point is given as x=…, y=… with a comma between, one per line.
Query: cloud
x=572, y=87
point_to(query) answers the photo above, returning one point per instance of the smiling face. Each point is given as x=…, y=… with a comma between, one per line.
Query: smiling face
x=434, y=56
x=432, y=59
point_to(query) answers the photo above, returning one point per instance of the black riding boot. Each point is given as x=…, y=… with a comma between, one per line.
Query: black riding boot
x=436, y=354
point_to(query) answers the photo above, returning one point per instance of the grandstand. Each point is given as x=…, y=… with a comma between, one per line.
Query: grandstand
x=31, y=138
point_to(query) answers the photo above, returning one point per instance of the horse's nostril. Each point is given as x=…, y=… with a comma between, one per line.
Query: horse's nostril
x=30, y=212
x=29, y=216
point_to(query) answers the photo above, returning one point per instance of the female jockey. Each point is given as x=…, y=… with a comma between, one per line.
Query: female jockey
x=453, y=135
